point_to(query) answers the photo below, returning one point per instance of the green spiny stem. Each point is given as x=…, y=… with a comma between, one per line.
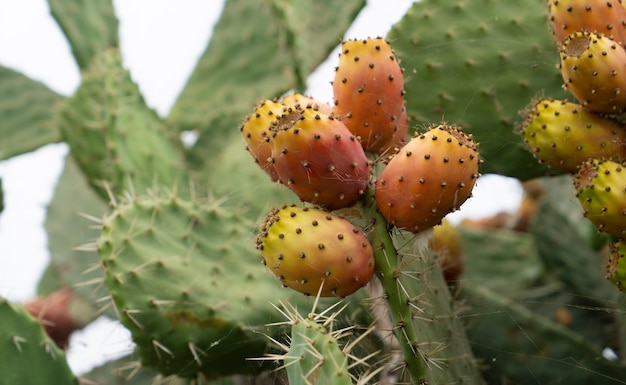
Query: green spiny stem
x=387, y=270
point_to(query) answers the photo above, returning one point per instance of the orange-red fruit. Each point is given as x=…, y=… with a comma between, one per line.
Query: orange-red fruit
x=431, y=176
x=256, y=130
x=319, y=159
x=308, y=249
x=369, y=92
x=593, y=67
x=602, y=16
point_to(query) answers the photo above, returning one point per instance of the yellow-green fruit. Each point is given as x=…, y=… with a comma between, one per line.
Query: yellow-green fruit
x=308, y=249
x=601, y=190
x=563, y=134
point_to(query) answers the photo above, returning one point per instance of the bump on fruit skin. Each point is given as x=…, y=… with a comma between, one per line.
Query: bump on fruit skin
x=601, y=191
x=256, y=130
x=369, y=92
x=563, y=135
x=431, y=176
x=319, y=159
x=616, y=267
x=593, y=67
x=602, y=16
x=306, y=248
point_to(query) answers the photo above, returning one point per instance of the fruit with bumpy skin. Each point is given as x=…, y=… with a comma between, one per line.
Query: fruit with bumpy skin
x=616, y=267
x=601, y=190
x=593, y=67
x=369, y=92
x=564, y=135
x=431, y=176
x=303, y=101
x=308, y=248
x=319, y=159
x=601, y=16
x=256, y=130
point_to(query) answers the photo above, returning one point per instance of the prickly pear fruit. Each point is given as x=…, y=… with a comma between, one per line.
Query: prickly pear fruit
x=319, y=159
x=61, y=313
x=601, y=190
x=564, y=135
x=256, y=130
x=308, y=248
x=298, y=99
x=616, y=268
x=446, y=243
x=593, y=67
x=369, y=92
x=601, y=16
x=431, y=176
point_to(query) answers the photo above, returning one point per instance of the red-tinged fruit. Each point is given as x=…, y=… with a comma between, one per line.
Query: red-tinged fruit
x=616, y=267
x=369, y=92
x=61, y=313
x=256, y=130
x=601, y=16
x=308, y=249
x=593, y=67
x=319, y=159
x=297, y=99
x=601, y=191
x=563, y=135
x=428, y=178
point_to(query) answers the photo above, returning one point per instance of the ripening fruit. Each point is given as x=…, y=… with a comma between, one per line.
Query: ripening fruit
x=308, y=248
x=601, y=191
x=319, y=159
x=563, y=135
x=431, y=176
x=256, y=130
x=602, y=16
x=369, y=92
x=594, y=70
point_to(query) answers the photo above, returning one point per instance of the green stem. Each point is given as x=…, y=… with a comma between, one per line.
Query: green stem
x=387, y=270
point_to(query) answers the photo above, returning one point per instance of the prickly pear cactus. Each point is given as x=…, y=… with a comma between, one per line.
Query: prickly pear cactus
x=186, y=282
x=27, y=354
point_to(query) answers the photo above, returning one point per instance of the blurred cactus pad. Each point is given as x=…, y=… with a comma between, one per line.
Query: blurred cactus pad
x=160, y=233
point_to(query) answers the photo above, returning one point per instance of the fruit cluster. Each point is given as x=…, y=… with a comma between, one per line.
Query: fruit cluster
x=587, y=138
x=328, y=156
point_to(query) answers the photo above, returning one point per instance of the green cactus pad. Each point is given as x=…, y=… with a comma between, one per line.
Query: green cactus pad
x=315, y=356
x=27, y=354
x=90, y=26
x=187, y=282
x=68, y=230
x=26, y=114
x=477, y=63
x=258, y=50
x=117, y=139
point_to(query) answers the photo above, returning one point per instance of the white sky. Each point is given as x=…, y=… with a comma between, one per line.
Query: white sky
x=161, y=40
